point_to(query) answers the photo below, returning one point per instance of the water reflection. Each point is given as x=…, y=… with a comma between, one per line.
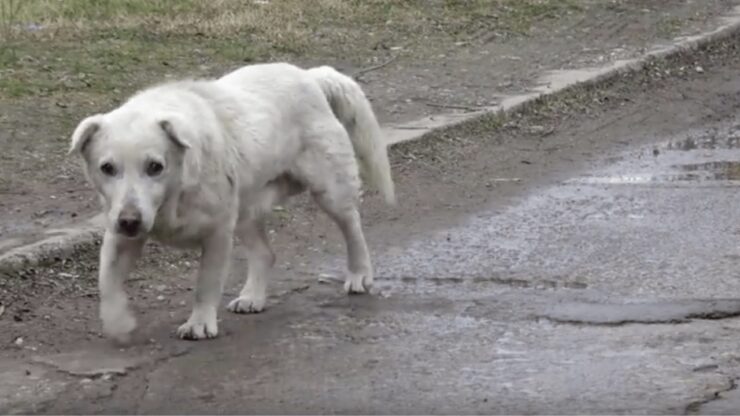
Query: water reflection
x=718, y=171
x=711, y=139
x=693, y=172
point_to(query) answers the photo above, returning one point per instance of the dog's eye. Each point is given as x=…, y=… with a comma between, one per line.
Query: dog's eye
x=108, y=169
x=154, y=168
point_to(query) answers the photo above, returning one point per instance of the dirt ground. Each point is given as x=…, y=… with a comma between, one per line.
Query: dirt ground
x=477, y=173
x=415, y=65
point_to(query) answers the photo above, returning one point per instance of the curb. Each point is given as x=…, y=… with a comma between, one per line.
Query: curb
x=58, y=245
x=64, y=243
x=557, y=82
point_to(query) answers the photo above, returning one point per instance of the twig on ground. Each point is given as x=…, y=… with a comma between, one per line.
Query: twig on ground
x=357, y=75
x=410, y=128
x=455, y=107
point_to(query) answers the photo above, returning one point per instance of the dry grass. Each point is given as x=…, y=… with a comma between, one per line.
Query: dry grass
x=292, y=25
x=52, y=46
x=276, y=17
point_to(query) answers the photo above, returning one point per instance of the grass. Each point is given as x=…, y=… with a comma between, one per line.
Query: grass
x=62, y=60
x=58, y=46
x=669, y=27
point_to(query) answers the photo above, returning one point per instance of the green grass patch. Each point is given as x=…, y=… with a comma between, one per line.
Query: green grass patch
x=669, y=27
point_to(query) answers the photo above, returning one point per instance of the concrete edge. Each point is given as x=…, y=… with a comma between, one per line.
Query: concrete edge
x=64, y=243
x=557, y=82
x=58, y=245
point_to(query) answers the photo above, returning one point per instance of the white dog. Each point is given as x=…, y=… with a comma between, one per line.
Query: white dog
x=193, y=163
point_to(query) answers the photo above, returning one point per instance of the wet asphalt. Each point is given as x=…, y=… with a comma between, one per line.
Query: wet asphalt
x=600, y=278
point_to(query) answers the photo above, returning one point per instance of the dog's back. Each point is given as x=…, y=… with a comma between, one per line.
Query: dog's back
x=283, y=85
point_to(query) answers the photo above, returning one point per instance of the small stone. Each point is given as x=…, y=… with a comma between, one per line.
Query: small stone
x=699, y=69
x=18, y=341
x=160, y=297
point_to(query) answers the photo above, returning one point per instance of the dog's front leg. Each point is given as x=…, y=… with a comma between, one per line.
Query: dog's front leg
x=117, y=257
x=214, y=267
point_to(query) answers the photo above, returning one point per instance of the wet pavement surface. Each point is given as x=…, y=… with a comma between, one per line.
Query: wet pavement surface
x=592, y=270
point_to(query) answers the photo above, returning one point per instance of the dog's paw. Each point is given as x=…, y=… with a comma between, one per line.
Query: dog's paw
x=247, y=304
x=199, y=327
x=358, y=283
x=118, y=322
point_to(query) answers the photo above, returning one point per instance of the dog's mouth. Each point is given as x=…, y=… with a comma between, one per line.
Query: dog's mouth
x=130, y=231
x=129, y=234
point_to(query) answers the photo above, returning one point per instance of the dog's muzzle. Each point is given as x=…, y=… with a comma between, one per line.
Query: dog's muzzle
x=129, y=222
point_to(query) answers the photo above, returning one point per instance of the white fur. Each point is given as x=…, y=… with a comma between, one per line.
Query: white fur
x=229, y=149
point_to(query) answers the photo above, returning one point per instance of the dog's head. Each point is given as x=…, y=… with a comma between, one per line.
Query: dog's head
x=134, y=161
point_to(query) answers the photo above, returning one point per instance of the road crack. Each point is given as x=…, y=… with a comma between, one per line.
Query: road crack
x=647, y=313
x=694, y=408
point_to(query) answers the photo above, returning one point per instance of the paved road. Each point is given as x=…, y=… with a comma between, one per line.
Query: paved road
x=585, y=264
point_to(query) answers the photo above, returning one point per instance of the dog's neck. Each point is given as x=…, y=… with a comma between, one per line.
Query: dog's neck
x=192, y=212
x=171, y=223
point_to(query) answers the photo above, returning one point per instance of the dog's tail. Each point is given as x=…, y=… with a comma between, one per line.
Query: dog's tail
x=352, y=108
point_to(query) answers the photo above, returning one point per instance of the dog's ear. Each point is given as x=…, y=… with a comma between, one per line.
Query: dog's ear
x=180, y=133
x=84, y=133
x=172, y=127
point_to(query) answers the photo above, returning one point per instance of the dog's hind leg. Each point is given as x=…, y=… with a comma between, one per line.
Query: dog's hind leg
x=347, y=217
x=251, y=231
x=260, y=260
x=333, y=179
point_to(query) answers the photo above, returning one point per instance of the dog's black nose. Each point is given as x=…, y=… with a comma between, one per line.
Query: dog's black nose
x=129, y=225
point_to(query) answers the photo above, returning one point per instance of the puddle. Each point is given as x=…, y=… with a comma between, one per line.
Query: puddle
x=718, y=171
x=710, y=157
x=726, y=171
x=712, y=139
